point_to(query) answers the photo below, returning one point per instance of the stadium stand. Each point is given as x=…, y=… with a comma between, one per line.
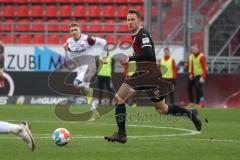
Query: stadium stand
x=106, y=16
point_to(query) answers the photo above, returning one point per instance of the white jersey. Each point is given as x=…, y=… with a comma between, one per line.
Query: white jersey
x=84, y=47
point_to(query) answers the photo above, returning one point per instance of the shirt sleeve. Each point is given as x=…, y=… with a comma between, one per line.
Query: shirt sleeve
x=144, y=40
x=102, y=43
x=1, y=56
x=204, y=67
x=174, y=69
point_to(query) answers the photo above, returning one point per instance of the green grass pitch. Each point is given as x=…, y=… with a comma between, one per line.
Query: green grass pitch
x=150, y=136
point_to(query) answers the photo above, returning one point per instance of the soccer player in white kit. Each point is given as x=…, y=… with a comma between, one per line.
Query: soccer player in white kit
x=84, y=45
x=22, y=130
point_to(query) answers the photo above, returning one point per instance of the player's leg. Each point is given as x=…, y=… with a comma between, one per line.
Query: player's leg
x=172, y=94
x=22, y=130
x=199, y=92
x=95, y=114
x=190, y=89
x=124, y=92
x=101, y=87
x=177, y=110
x=82, y=81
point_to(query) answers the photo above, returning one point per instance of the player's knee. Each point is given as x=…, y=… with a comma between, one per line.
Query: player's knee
x=162, y=108
x=118, y=99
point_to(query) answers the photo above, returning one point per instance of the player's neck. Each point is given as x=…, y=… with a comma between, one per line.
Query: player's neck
x=137, y=30
x=76, y=39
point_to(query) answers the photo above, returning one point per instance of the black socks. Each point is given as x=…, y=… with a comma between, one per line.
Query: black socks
x=178, y=111
x=120, y=113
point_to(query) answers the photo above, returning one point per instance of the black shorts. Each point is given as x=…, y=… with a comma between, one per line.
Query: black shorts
x=148, y=79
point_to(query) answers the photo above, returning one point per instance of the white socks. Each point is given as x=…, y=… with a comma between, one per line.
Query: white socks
x=6, y=127
x=93, y=105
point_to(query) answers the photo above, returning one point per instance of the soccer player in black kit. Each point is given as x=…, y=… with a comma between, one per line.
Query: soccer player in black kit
x=144, y=55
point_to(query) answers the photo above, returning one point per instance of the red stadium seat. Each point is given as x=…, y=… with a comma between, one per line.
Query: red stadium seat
x=154, y=11
x=22, y=26
x=140, y=8
x=107, y=1
x=51, y=11
x=109, y=11
x=109, y=26
x=24, y=39
x=137, y=1
x=54, y=39
x=92, y=1
x=111, y=39
x=9, y=11
x=121, y=1
x=9, y=38
x=166, y=2
x=65, y=11
x=63, y=25
x=83, y=24
x=8, y=25
x=65, y=37
x=62, y=1
x=36, y=11
x=23, y=11
x=1, y=37
x=49, y=1
x=8, y=1
x=95, y=26
x=122, y=11
x=79, y=11
x=52, y=26
x=38, y=39
x=38, y=26
x=74, y=1
x=123, y=27
x=22, y=1
x=94, y=11
x=125, y=38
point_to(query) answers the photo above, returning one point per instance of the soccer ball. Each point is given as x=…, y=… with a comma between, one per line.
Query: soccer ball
x=61, y=136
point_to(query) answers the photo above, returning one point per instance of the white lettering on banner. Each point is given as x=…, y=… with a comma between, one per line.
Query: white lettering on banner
x=46, y=100
x=3, y=100
x=47, y=58
x=32, y=58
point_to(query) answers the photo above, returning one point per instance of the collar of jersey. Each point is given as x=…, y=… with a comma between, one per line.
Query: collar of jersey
x=134, y=34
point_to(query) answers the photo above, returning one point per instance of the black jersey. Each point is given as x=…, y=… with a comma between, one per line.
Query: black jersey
x=1, y=56
x=143, y=47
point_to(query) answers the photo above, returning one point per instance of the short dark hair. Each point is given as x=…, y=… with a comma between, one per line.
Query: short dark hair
x=73, y=24
x=134, y=11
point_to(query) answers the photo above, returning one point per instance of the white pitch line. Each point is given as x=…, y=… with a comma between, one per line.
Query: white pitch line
x=162, y=138
x=187, y=131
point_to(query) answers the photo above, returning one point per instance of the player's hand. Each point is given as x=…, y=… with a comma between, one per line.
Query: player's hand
x=65, y=46
x=202, y=80
x=124, y=60
x=104, y=60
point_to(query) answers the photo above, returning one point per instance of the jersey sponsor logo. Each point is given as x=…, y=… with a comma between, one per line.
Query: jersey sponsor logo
x=156, y=93
x=145, y=40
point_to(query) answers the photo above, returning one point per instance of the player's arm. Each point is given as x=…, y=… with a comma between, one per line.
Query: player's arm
x=1, y=65
x=98, y=42
x=204, y=68
x=146, y=54
x=174, y=69
x=67, y=51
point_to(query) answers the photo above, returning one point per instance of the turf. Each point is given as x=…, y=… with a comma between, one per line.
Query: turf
x=150, y=136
